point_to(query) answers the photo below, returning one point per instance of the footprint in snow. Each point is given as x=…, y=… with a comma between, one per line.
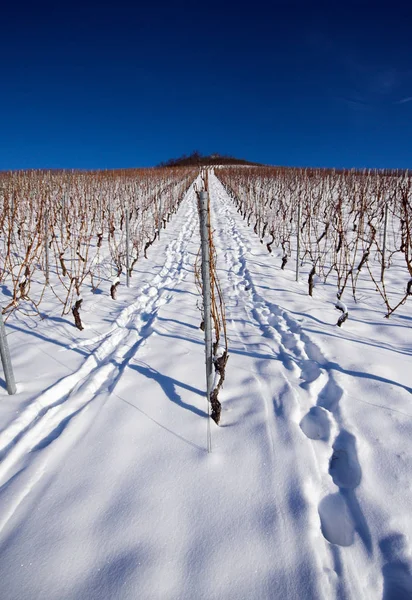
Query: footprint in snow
x=397, y=570
x=316, y=424
x=310, y=371
x=336, y=522
x=344, y=467
x=152, y=292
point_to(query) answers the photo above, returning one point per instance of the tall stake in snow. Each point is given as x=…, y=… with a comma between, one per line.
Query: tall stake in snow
x=298, y=242
x=5, y=359
x=63, y=215
x=46, y=245
x=385, y=226
x=127, y=248
x=207, y=313
x=160, y=214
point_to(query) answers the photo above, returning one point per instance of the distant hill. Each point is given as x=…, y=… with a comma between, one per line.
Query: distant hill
x=198, y=159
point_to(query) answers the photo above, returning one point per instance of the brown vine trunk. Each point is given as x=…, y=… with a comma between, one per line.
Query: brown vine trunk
x=76, y=314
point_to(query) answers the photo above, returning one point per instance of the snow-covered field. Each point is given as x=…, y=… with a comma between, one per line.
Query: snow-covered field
x=107, y=490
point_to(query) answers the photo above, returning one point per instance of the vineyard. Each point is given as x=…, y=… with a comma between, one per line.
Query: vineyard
x=345, y=226
x=340, y=227
x=73, y=226
x=118, y=479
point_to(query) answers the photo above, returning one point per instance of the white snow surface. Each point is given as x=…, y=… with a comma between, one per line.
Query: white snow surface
x=107, y=490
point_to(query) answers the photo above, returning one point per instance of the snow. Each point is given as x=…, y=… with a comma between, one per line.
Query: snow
x=341, y=306
x=106, y=486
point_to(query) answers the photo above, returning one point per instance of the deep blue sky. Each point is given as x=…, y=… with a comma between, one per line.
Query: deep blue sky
x=94, y=85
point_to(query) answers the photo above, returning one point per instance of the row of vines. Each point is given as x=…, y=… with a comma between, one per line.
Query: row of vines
x=61, y=231
x=344, y=226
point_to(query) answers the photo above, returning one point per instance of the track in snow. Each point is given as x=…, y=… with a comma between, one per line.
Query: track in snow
x=307, y=372
x=48, y=415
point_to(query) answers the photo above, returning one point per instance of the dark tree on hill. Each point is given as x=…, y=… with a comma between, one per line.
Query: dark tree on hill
x=197, y=159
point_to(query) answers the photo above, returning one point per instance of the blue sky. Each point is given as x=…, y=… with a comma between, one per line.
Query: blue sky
x=93, y=85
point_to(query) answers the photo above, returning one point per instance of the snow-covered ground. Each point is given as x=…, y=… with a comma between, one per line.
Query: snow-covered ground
x=107, y=490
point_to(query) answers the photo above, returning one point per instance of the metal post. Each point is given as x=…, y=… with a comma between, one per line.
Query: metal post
x=207, y=315
x=127, y=248
x=99, y=229
x=160, y=214
x=385, y=226
x=11, y=219
x=298, y=243
x=63, y=216
x=5, y=359
x=46, y=245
